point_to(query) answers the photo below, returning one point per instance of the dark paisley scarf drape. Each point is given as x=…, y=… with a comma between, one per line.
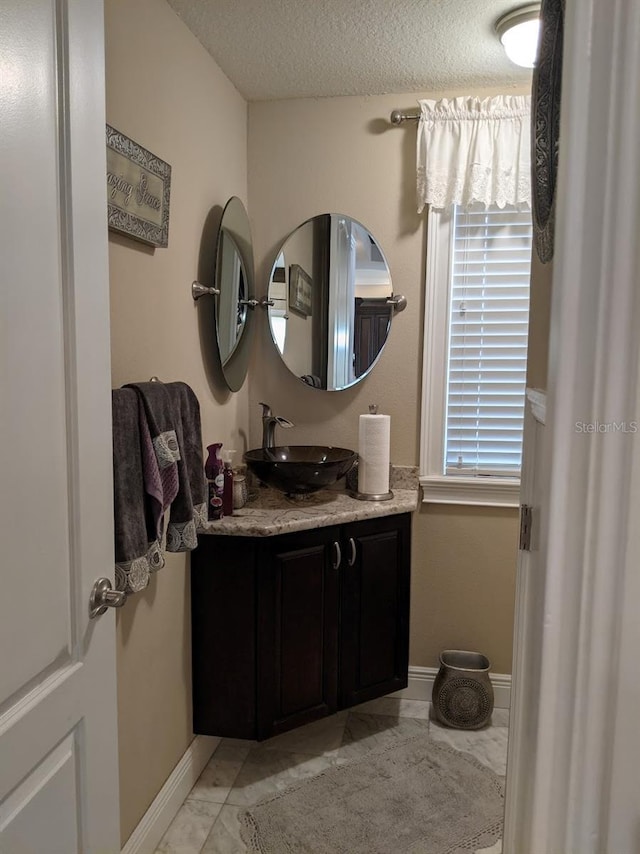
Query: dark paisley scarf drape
x=545, y=130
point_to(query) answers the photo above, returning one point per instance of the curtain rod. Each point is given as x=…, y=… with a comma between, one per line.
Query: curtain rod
x=398, y=116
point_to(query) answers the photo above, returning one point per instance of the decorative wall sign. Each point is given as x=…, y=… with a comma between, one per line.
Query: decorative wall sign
x=138, y=190
x=299, y=290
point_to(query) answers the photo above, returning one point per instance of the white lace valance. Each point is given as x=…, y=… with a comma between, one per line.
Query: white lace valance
x=474, y=150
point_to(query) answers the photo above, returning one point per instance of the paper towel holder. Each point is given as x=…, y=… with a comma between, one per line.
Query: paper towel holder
x=352, y=482
x=365, y=496
x=368, y=496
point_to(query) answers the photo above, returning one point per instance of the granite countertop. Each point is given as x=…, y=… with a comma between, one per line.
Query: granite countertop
x=272, y=512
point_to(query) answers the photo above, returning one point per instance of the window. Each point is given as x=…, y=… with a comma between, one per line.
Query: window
x=475, y=354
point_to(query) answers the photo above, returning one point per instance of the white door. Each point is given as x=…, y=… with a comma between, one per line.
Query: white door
x=529, y=627
x=574, y=787
x=58, y=747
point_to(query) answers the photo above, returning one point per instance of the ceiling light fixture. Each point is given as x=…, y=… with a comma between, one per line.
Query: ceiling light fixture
x=518, y=32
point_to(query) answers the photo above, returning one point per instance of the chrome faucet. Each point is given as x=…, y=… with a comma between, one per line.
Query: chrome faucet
x=269, y=424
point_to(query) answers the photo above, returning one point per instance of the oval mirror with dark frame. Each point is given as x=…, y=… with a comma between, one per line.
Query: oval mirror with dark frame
x=234, y=302
x=331, y=302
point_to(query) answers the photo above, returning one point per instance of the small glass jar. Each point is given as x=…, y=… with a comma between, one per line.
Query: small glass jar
x=239, y=491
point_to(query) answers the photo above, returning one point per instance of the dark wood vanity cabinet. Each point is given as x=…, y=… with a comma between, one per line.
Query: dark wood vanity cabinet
x=291, y=628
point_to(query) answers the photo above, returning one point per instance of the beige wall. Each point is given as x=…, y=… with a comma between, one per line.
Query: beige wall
x=340, y=155
x=462, y=584
x=165, y=92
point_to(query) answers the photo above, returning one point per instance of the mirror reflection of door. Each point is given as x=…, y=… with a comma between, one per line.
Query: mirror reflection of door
x=230, y=310
x=278, y=294
x=342, y=281
x=372, y=312
x=372, y=323
x=330, y=285
x=234, y=279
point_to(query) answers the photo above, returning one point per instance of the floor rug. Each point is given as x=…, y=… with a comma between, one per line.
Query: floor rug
x=416, y=797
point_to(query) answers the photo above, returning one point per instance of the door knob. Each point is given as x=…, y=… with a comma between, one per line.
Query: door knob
x=103, y=597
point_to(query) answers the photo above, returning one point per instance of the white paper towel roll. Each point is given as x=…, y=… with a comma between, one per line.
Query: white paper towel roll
x=373, y=466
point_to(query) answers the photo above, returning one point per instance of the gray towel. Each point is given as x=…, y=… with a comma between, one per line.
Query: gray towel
x=188, y=513
x=173, y=415
x=137, y=550
x=160, y=449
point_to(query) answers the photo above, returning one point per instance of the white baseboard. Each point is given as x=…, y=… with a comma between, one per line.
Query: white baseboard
x=421, y=681
x=156, y=820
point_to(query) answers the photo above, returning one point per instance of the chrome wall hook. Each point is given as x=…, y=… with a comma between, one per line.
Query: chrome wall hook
x=198, y=290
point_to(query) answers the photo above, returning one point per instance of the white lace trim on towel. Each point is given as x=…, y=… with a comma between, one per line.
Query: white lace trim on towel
x=133, y=576
x=200, y=516
x=166, y=447
x=182, y=536
x=474, y=150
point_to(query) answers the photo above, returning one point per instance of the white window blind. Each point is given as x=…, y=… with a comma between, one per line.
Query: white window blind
x=487, y=341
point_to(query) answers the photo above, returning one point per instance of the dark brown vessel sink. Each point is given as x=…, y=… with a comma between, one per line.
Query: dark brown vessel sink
x=300, y=469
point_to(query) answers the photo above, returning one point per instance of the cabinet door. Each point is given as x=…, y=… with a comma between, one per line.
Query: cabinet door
x=297, y=631
x=223, y=626
x=374, y=623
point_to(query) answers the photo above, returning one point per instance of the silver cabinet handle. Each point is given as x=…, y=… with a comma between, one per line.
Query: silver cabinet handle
x=337, y=560
x=352, y=546
x=103, y=597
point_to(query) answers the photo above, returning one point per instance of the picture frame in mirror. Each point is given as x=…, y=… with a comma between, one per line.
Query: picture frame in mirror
x=300, y=290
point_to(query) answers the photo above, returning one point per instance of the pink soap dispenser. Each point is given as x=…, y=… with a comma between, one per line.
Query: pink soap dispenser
x=214, y=471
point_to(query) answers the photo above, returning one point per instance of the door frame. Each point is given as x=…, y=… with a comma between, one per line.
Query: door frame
x=584, y=749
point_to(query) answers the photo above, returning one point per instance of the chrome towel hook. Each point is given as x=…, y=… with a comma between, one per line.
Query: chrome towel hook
x=198, y=290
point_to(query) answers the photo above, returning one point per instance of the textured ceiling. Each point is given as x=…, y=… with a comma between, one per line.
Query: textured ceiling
x=272, y=49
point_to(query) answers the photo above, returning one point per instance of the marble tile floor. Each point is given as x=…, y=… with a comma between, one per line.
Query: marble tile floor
x=240, y=773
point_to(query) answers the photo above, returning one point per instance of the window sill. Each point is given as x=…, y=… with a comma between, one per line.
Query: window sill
x=484, y=492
